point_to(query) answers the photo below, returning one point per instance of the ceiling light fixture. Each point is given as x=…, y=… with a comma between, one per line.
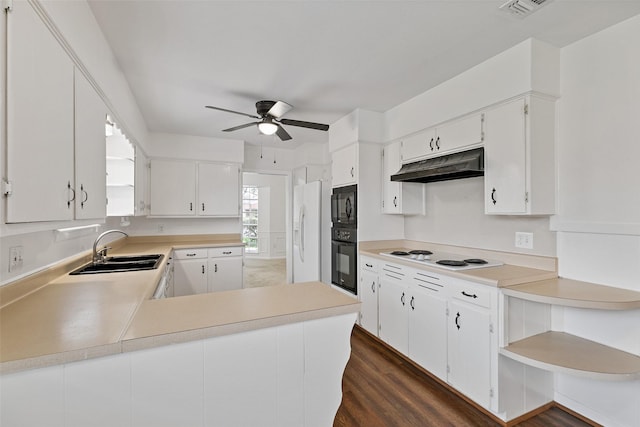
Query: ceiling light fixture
x=267, y=127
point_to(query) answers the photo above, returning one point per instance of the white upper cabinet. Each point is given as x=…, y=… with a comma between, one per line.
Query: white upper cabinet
x=218, y=189
x=344, y=166
x=172, y=188
x=520, y=157
x=90, y=151
x=40, y=121
x=446, y=138
x=187, y=188
x=398, y=197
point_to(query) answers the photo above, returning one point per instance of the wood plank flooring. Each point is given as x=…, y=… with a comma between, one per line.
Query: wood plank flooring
x=381, y=389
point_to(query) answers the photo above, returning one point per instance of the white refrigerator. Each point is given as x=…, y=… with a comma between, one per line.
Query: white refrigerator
x=306, y=232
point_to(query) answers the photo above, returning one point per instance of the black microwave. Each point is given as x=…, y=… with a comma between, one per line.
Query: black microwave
x=344, y=206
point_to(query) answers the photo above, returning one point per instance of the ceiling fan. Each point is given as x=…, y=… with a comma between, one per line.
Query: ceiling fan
x=270, y=121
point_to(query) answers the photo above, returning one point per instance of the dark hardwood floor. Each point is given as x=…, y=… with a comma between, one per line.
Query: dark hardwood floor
x=381, y=389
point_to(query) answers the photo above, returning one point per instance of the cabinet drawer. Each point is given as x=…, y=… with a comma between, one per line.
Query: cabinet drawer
x=470, y=293
x=190, y=253
x=369, y=264
x=226, y=251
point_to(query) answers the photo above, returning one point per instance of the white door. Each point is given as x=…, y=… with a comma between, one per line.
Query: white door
x=416, y=147
x=39, y=121
x=225, y=274
x=393, y=320
x=172, y=188
x=306, y=232
x=344, y=166
x=469, y=345
x=369, y=301
x=90, y=150
x=505, y=159
x=218, y=190
x=190, y=277
x=391, y=189
x=428, y=331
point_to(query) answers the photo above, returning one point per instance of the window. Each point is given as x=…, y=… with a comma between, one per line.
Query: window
x=250, y=218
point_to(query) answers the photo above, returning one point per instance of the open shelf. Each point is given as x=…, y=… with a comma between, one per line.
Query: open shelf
x=566, y=353
x=574, y=293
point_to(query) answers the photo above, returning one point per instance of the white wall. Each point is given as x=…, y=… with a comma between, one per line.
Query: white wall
x=598, y=222
x=196, y=148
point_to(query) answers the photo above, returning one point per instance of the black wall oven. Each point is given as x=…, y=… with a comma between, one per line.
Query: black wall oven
x=343, y=258
x=344, y=238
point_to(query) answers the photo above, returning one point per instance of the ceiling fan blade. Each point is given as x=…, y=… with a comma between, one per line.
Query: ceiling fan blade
x=283, y=134
x=246, y=125
x=299, y=123
x=279, y=109
x=231, y=111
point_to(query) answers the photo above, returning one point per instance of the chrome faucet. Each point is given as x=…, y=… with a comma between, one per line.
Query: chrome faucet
x=98, y=256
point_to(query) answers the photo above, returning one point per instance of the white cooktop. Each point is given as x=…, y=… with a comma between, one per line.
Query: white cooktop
x=431, y=260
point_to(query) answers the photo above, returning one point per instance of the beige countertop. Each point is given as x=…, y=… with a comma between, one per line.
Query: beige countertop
x=502, y=276
x=53, y=318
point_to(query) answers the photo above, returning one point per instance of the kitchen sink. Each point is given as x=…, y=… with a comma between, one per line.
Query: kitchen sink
x=119, y=264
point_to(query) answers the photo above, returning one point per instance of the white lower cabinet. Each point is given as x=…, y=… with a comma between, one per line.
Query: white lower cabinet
x=190, y=272
x=225, y=269
x=444, y=324
x=368, y=292
x=201, y=270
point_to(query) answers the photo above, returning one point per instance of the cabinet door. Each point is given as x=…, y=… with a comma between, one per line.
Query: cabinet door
x=369, y=299
x=505, y=159
x=469, y=345
x=391, y=203
x=190, y=277
x=394, y=323
x=225, y=274
x=428, y=331
x=90, y=151
x=218, y=190
x=418, y=146
x=173, y=188
x=458, y=134
x=344, y=166
x=39, y=121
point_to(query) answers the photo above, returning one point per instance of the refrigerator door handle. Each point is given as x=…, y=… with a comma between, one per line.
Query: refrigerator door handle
x=301, y=247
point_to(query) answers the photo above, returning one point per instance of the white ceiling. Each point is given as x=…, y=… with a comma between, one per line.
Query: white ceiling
x=326, y=58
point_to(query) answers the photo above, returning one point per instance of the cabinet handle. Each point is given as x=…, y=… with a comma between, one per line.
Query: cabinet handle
x=469, y=295
x=373, y=287
x=191, y=254
x=395, y=201
x=73, y=195
x=368, y=265
x=85, y=196
x=191, y=206
x=431, y=144
x=411, y=303
x=352, y=172
x=203, y=207
x=215, y=268
x=493, y=199
x=457, y=318
x=402, y=299
x=438, y=143
x=202, y=268
x=226, y=253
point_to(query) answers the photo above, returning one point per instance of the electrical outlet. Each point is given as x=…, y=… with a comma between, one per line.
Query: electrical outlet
x=524, y=240
x=15, y=258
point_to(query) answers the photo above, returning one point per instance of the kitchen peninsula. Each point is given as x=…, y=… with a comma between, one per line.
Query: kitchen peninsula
x=81, y=347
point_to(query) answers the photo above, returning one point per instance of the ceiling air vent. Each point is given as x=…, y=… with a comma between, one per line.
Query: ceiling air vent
x=522, y=8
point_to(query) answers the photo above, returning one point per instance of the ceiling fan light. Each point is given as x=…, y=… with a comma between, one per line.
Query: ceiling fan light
x=267, y=128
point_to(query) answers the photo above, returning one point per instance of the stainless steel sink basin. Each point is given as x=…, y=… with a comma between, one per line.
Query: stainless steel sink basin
x=119, y=264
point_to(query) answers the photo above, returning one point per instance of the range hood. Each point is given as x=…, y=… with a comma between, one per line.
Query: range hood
x=465, y=164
